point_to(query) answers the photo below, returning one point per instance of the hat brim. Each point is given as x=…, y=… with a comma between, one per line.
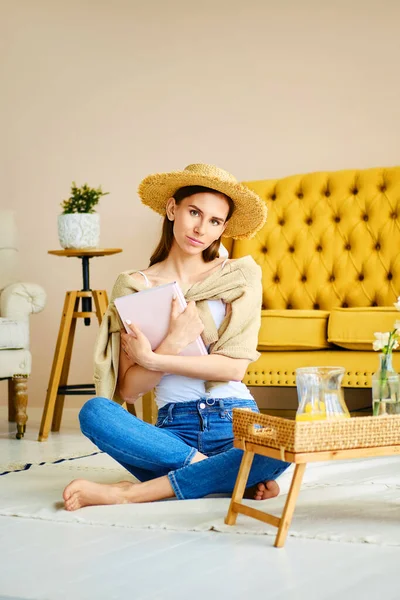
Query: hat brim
x=250, y=211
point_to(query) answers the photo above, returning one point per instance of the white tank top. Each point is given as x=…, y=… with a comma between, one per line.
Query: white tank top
x=177, y=388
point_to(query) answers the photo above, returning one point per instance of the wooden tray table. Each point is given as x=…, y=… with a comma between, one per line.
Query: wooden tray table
x=300, y=443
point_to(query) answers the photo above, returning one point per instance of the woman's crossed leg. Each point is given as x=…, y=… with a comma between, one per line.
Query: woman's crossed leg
x=166, y=466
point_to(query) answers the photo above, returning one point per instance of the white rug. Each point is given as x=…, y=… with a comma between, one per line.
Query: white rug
x=350, y=501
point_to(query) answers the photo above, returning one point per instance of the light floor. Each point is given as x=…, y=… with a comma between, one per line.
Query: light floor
x=45, y=560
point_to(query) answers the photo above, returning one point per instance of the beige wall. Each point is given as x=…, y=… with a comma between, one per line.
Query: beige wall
x=108, y=91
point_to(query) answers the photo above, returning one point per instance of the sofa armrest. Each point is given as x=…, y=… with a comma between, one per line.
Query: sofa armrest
x=19, y=300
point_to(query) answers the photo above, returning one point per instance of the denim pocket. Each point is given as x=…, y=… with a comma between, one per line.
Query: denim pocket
x=161, y=421
x=229, y=415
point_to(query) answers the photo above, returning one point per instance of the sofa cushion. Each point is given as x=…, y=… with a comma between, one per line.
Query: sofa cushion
x=293, y=330
x=354, y=328
x=13, y=334
x=15, y=362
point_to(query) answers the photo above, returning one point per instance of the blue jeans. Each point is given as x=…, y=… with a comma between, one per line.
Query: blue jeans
x=182, y=429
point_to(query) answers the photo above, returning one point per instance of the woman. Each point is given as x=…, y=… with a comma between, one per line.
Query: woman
x=189, y=452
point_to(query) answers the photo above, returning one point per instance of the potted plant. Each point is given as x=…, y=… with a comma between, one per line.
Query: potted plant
x=79, y=224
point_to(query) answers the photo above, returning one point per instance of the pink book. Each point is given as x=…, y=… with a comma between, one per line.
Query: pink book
x=150, y=310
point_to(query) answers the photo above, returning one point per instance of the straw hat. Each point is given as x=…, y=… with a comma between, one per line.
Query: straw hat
x=250, y=211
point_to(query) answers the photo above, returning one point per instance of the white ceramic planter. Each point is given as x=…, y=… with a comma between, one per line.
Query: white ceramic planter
x=79, y=230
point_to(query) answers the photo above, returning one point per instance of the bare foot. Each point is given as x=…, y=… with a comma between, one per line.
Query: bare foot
x=263, y=490
x=81, y=492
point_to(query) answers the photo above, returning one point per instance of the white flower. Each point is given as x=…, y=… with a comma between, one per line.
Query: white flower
x=377, y=345
x=395, y=345
x=397, y=327
x=381, y=340
x=397, y=304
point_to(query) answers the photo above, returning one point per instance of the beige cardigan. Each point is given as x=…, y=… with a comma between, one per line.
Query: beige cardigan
x=238, y=284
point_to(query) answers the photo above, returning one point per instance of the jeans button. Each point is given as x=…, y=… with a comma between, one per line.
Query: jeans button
x=202, y=405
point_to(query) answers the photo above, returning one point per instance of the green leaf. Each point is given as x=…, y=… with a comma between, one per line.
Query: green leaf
x=82, y=199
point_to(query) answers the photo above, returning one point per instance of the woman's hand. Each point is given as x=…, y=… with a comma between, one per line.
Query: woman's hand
x=136, y=346
x=184, y=327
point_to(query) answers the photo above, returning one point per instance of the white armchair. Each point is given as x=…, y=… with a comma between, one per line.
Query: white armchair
x=17, y=302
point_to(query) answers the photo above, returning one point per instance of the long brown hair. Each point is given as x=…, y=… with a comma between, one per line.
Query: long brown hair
x=167, y=236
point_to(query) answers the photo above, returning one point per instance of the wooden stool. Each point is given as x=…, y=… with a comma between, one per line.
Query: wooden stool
x=58, y=388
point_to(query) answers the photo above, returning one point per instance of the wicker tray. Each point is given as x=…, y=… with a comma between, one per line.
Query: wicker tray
x=315, y=436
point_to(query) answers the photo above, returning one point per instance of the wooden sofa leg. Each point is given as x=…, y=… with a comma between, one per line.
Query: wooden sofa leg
x=131, y=409
x=149, y=408
x=11, y=403
x=19, y=395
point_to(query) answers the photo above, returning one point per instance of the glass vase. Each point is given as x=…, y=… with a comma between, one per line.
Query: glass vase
x=385, y=388
x=320, y=393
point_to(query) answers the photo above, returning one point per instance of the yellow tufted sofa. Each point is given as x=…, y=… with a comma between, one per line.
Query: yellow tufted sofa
x=330, y=257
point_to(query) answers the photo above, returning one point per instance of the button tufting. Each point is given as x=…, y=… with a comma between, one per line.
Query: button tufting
x=390, y=276
x=319, y=248
x=374, y=303
x=345, y=305
x=365, y=217
x=300, y=195
x=289, y=307
x=332, y=278
x=383, y=188
x=361, y=277
x=377, y=246
x=309, y=221
x=347, y=247
x=273, y=197
x=354, y=191
x=327, y=193
x=303, y=278
x=316, y=306
x=337, y=219
x=394, y=215
x=264, y=250
x=281, y=221
x=276, y=279
x=291, y=249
